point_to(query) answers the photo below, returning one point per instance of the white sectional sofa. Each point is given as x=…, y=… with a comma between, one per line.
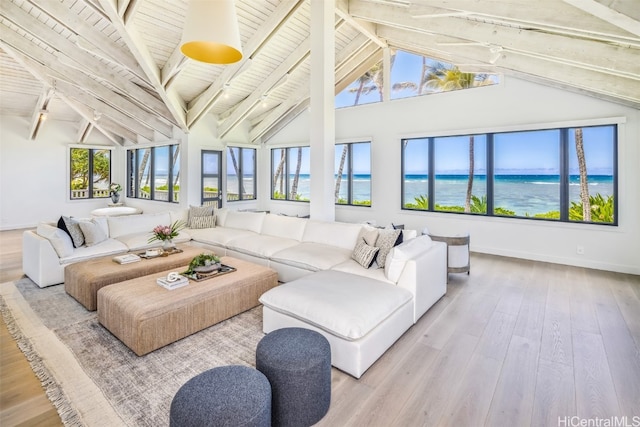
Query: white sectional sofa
x=48, y=249
x=362, y=311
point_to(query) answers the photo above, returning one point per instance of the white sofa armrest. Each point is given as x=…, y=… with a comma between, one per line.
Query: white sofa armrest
x=426, y=277
x=40, y=262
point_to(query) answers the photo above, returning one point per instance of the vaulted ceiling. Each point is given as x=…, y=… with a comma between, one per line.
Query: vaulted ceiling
x=115, y=67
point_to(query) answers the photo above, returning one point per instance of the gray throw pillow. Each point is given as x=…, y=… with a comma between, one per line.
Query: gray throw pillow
x=364, y=254
x=387, y=239
x=208, y=221
x=195, y=211
x=73, y=230
x=93, y=233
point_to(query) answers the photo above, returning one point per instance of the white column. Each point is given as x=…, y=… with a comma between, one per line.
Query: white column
x=322, y=114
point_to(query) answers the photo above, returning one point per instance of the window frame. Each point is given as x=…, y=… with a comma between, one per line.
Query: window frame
x=91, y=153
x=564, y=171
x=350, y=173
x=204, y=201
x=133, y=170
x=286, y=172
x=240, y=161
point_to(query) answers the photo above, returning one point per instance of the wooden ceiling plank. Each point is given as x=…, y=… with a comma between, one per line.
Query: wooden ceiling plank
x=34, y=57
x=118, y=55
x=287, y=66
x=140, y=51
x=83, y=61
x=113, y=132
x=203, y=102
x=543, y=14
x=612, y=14
x=579, y=51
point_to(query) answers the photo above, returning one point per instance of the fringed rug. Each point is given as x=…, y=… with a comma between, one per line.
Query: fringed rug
x=94, y=379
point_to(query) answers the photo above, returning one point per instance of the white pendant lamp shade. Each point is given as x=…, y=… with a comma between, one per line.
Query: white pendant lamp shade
x=211, y=32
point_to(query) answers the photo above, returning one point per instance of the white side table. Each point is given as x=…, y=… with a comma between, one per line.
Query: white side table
x=458, y=259
x=116, y=211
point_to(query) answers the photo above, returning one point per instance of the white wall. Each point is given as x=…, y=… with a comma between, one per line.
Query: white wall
x=513, y=105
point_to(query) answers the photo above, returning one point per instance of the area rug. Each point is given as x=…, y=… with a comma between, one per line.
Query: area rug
x=94, y=379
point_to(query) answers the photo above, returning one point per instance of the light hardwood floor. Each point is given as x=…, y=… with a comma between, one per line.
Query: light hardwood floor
x=516, y=343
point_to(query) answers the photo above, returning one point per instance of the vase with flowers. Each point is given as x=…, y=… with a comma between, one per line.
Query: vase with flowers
x=114, y=192
x=166, y=234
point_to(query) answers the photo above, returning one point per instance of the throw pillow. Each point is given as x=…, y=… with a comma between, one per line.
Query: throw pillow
x=198, y=211
x=387, y=239
x=369, y=235
x=364, y=254
x=208, y=221
x=93, y=232
x=59, y=239
x=72, y=228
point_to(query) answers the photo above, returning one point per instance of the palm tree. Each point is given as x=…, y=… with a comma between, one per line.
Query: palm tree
x=280, y=172
x=441, y=78
x=235, y=167
x=340, y=169
x=584, y=184
x=296, y=177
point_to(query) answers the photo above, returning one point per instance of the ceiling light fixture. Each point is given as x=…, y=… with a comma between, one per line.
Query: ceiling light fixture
x=211, y=32
x=43, y=115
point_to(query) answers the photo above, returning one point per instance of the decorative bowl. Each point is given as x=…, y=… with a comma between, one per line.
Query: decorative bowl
x=207, y=268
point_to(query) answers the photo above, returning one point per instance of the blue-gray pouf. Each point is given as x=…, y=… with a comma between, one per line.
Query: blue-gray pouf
x=223, y=396
x=297, y=363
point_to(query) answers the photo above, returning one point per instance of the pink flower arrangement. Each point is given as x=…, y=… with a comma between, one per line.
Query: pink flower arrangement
x=166, y=232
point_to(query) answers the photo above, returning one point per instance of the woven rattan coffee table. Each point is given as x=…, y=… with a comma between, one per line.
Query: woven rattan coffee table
x=146, y=316
x=82, y=280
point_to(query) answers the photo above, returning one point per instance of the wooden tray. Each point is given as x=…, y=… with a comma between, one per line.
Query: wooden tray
x=163, y=253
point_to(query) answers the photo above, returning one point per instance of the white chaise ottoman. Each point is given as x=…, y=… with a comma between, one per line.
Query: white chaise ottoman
x=360, y=317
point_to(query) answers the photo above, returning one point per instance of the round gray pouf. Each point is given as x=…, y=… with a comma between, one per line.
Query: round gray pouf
x=297, y=363
x=224, y=396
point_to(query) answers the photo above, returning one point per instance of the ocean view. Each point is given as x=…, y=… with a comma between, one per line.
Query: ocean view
x=523, y=194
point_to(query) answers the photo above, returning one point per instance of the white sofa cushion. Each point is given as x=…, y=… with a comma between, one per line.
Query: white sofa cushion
x=137, y=241
x=260, y=245
x=340, y=234
x=132, y=224
x=108, y=247
x=251, y=221
x=398, y=256
x=353, y=267
x=346, y=305
x=58, y=238
x=312, y=256
x=218, y=236
x=284, y=226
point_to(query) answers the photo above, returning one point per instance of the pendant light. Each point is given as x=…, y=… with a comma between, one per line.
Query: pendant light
x=211, y=32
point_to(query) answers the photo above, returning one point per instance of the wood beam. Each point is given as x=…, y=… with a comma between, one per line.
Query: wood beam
x=613, y=14
x=366, y=28
x=586, y=54
x=610, y=87
x=90, y=39
x=58, y=71
x=84, y=130
x=38, y=117
x=202, y=104
x=112, y=131
x=140, y=52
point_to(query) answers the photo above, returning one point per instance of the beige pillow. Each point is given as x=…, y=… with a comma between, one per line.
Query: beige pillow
x=195, y=211
x=387, y=239
x=364, y=254
x=93, y=232
x=208, y=221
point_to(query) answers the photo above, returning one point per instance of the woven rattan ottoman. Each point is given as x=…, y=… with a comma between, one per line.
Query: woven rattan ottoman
x=82, y=280
x=146, y=316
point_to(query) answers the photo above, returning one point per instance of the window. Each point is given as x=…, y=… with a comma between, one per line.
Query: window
x=154, y=173
x=566, y=174
x=241, y=173
x=353, y=174
x=90, y=173
x=211, y=177
x=290, y=174
x=410, y=75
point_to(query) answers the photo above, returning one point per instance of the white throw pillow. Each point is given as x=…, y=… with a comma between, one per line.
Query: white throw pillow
x=251, y=221
x=58, y=238
x=93, y=232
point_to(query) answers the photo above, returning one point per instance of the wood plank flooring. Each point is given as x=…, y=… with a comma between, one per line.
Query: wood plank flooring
x=515, y=343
